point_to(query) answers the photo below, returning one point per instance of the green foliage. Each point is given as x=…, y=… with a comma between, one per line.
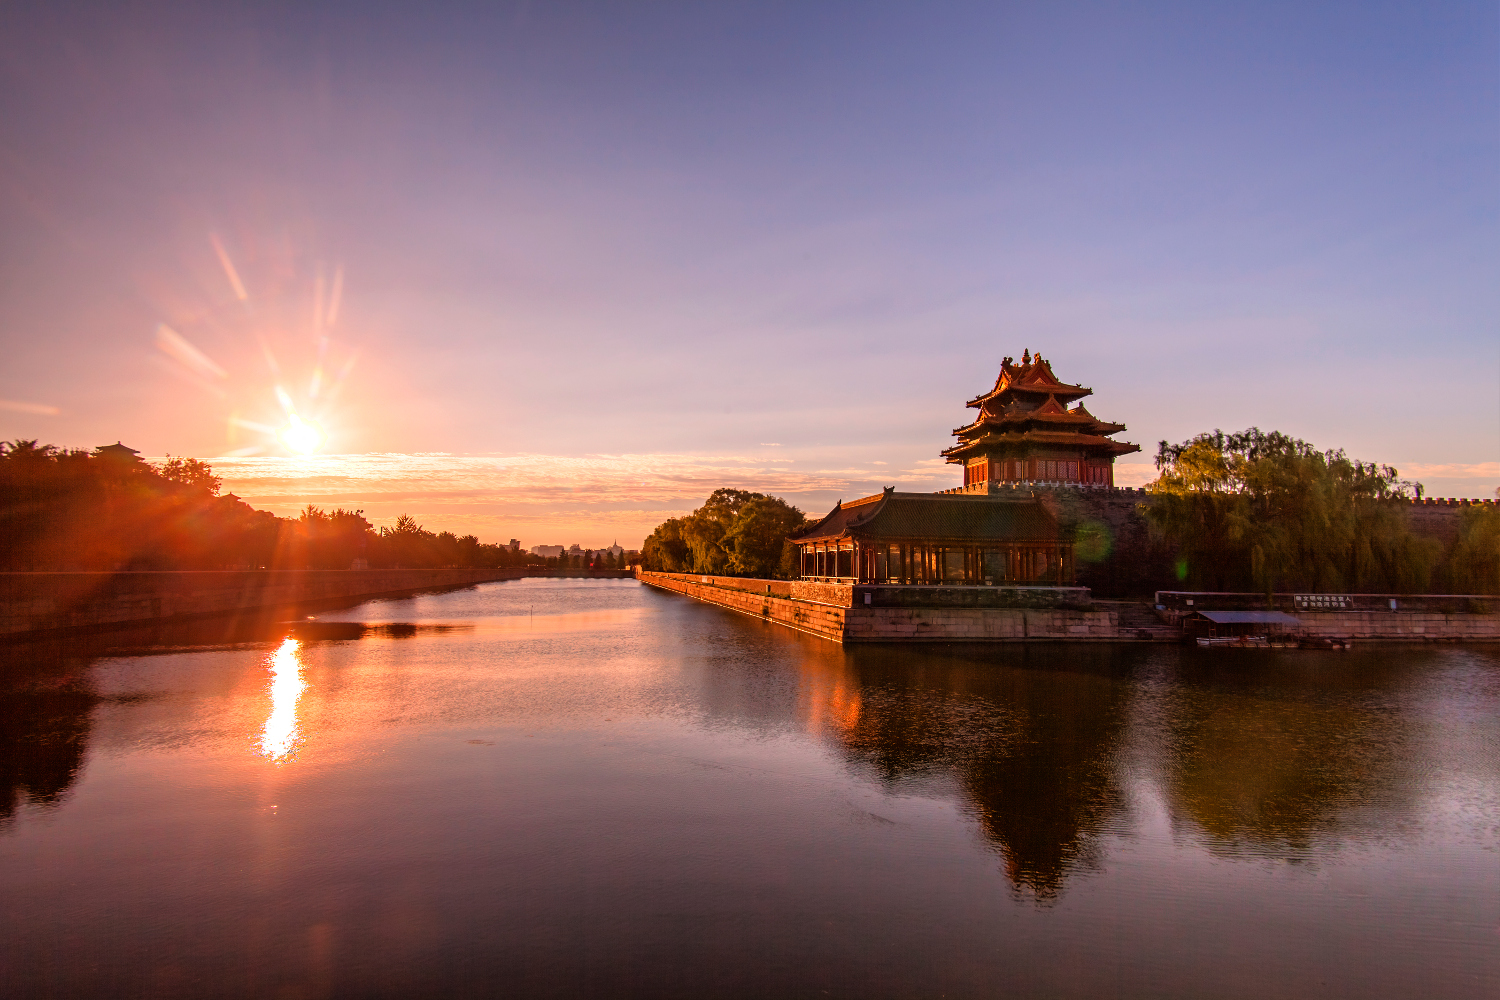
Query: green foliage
x=190, y=472
x=72, y=510
x=704, y=529
x=1475, y=565
x=1268, y=512
x=666, y=550
x=69, y=509
x=756, y=542
x=734, y=533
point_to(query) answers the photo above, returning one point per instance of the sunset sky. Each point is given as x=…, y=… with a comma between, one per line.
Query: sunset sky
x=555, y=271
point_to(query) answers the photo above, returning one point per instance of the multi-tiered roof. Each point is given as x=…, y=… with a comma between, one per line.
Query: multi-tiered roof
x=1027, y=413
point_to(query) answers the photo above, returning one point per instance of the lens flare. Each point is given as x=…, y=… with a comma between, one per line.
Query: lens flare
x=301, y=435
x=280, y=735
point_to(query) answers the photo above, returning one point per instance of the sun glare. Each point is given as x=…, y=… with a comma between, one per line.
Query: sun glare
x=301, y=436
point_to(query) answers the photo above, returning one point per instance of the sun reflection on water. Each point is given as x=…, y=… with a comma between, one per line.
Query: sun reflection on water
x=280, y=736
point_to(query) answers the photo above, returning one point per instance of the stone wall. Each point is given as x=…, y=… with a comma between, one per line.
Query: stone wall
x=751, y=597
x=1401, y=626
x=31, y=602
x=838, y=612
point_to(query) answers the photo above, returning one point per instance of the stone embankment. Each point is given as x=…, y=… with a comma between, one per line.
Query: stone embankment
x=851, y=613
x=1384, y=617
x=45, y=602
x=874, y=613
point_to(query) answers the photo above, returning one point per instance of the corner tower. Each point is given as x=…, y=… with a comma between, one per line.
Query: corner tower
x=1026, y=430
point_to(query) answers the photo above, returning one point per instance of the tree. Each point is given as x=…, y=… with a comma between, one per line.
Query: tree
x=666, y=551
x=757, y=539
x=734, y=532
x=190, y=472
x=1265, y=511
x=1476, y=554
x=704, y=529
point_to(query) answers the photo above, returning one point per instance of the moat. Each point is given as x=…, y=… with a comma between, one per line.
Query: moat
x=555, y=787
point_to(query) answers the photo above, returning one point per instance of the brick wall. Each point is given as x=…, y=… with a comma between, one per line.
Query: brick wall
x=801, y=608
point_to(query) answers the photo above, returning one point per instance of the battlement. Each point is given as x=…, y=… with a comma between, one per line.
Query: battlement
x=1012, y=487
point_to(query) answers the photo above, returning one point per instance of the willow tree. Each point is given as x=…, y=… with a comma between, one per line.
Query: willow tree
x=1268, y=512
x=1476, y=554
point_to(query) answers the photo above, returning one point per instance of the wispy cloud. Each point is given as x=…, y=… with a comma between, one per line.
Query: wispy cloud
x=17, y=406
x=590, y=499
x=1482, y=470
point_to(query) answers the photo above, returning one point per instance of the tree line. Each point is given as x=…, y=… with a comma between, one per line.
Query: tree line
x=734, y=533
x=1263, y=511
x=70, y=509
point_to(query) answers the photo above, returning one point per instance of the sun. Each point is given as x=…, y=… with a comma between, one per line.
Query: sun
x=301, y=436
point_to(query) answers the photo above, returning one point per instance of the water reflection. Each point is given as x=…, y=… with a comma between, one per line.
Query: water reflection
x=281, y=736
x=46, y=706
x=1031, y=740
x=44, y=738
x=1272, y=769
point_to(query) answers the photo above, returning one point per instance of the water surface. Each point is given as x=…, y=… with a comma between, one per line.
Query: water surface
x=590, y=788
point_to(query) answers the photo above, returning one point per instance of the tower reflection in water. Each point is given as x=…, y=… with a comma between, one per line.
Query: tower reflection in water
x=280, y=737
x=1032, y=746
x=1038, y=744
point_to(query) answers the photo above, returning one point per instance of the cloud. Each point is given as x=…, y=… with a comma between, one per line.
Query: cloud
x=1483, y=470
x=41, y=409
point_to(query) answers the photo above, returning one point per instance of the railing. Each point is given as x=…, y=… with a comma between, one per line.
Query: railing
x=1183, y=602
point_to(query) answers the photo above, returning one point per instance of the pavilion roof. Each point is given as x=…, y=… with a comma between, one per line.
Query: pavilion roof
x=1031, y=376
x=934, y=517
x=1071, y=439
x=1076, y=420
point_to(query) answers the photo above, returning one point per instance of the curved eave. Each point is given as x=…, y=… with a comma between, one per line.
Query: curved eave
x=992, y=442
x=1070, y=392
x=1091, y=422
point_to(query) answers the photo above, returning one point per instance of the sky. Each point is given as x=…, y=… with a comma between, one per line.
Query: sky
x=556, y=271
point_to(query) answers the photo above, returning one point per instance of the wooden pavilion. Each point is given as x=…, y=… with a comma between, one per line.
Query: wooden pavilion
x=929, y=538
x=1026, y=431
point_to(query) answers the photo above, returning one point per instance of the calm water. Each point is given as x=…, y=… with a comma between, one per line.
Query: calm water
x=589, y=788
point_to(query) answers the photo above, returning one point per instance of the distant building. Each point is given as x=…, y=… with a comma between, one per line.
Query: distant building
x=615, y=549
x=547, y=551
x=515, y=545
x=117, y=452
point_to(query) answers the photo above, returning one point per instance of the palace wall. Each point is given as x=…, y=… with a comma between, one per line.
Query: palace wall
x=845, y=617
x=1132, y=563
x=840, y=612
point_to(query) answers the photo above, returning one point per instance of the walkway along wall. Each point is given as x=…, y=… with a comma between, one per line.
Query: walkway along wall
x=36, y=602
x=904, y=614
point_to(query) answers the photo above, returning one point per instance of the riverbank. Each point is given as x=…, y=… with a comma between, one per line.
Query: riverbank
x=38, y=603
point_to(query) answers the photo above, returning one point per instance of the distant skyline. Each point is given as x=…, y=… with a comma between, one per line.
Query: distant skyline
x=554, y=271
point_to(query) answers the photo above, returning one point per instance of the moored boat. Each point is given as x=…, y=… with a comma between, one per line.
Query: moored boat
x=1235, y=642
